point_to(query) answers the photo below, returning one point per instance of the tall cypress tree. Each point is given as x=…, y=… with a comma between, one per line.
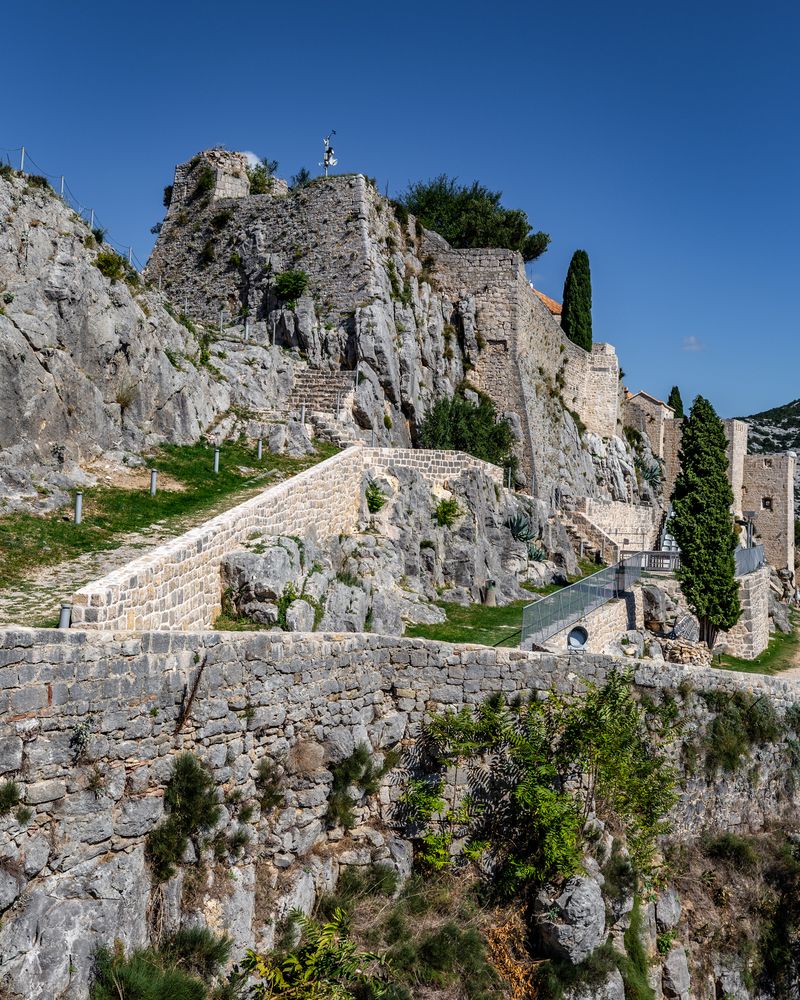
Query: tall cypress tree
x=576, y=310
x=676, y=402
x=702, y=523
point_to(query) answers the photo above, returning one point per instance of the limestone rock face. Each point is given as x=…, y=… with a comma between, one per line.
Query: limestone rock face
x=676, y=980
x=573, y=924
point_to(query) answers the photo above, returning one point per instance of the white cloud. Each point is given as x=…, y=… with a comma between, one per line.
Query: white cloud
x=252, y=159
x=692, y=344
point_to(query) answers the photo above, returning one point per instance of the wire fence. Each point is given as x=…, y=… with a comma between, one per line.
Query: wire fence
x=19, y=158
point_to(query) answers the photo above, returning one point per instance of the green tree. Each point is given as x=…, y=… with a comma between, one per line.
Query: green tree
x=576, y=310
x=702, y=523
x=457, y=424
x=472, y=216
x=676, y=402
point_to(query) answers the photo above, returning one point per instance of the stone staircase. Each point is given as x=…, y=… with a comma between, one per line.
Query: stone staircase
x=327, y=428
x=588, y=540
x=319, y=390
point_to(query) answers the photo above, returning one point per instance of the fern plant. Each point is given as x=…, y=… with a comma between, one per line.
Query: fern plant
x=326, y=966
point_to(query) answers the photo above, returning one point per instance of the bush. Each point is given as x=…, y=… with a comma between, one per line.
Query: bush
x=357, y=770
x=221, y=219
x=737, y=851
x=260, y=176
x=470, y=216
x=6, y=171
x=374, y=496
x=268, y=786
x=99, y=234
x=36, y=181
x=300, y=180
x=742, y=721
x=204, y=184
x=208, y=253
x=458, y=425
x=194, y=807
x=167, y=197
x=290, y=285
x=10, y=796
x=110, y=265
x=447, y=512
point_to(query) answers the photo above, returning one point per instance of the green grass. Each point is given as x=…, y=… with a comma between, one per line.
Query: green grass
x=475, y=623
x=781, y=654
x=28, y=542
x=489, y=626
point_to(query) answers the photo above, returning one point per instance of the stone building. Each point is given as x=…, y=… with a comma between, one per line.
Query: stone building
x=768, y=491
x=648, y=415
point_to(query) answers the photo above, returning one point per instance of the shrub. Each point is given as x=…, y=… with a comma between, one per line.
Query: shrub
x=260, y=176
x=208, y=253
x=193, y=806
x=470, y=216
x=447, y=512
x=110, y=265
x=268, y=786
x=235, y=259
x=99, y=234
x=6, y=171
x=357, y=770
x=374, y=496
x=634, y=438
x=221, y=219
x=10, y=796
x=300, y=180
x=37, y=181
x=167, y=197
x=458, y=425
x=125, y=394
x=736, y=851
x=742, y=721
x=387, y=422
x=204, y=184
x=290, y=285
x=356, y=884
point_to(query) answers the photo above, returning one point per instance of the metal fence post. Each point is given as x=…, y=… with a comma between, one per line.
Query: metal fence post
x=260, y=448
x=79, y=507
x=22, y=160
x=153, y=482
x=216, y=461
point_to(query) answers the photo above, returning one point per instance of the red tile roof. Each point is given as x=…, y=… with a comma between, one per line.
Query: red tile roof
x=552, y=305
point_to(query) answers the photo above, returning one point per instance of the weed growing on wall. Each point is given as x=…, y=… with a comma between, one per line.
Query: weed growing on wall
x=358, y=770
x=447, y=512
x=375, y=498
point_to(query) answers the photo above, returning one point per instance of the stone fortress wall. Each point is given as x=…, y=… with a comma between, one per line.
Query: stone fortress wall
x=768, y=483
x=339, y=232
x=632, y=527
x=762, y=483
x=75, y=875
x=176, y=586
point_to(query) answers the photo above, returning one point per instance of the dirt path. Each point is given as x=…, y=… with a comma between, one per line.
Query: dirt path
x=37, y=601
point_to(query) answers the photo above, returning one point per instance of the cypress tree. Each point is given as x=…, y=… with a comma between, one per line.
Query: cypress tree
x=576, y=310
x=702, y=523
x=676, y=402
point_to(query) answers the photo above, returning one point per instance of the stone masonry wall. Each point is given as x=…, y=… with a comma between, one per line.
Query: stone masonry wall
x=749, y=637
x=650, y=417
x=177, y=585
x=736, y=432
x=604, y=624
x=637, y=523
x=592, y=386
x=768, y=489
x=74, y=876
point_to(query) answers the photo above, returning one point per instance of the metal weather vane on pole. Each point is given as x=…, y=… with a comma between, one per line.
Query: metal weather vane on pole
x=328, y=160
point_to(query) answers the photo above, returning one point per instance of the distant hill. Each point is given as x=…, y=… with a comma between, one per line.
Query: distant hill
x=777, y=429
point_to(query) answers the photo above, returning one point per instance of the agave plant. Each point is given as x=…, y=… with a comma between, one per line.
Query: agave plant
x=536, y=553
x=520, y=527
x=650, y=472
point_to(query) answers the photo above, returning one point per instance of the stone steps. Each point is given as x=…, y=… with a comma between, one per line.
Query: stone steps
x=319, y=390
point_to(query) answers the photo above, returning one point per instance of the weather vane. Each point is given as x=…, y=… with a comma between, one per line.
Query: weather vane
x=328, y=160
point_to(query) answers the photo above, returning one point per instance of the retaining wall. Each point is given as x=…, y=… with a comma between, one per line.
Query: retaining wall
x=74, y=875
x=177, y=585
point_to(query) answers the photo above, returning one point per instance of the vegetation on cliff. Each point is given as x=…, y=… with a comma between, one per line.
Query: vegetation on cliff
x=470, y=215
x=460, y=424
x=702, y=523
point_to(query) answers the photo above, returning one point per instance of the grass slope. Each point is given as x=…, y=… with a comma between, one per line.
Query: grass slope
x=28, y=542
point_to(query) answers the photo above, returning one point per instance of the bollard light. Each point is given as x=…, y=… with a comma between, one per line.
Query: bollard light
x=153, y=482
x=216, y=461
x=303, y=414
x=65, y=618
x=79, y=507
x=260, y=448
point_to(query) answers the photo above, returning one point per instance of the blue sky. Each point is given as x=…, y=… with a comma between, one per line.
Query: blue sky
x=663, y=139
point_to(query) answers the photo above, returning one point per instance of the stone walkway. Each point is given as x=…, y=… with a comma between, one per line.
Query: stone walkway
x=37, y=601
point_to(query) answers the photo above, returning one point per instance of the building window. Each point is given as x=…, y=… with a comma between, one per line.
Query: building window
x=766, y=503
x=767, y=463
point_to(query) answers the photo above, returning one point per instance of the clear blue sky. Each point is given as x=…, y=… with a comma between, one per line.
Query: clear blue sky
x=661, y=138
